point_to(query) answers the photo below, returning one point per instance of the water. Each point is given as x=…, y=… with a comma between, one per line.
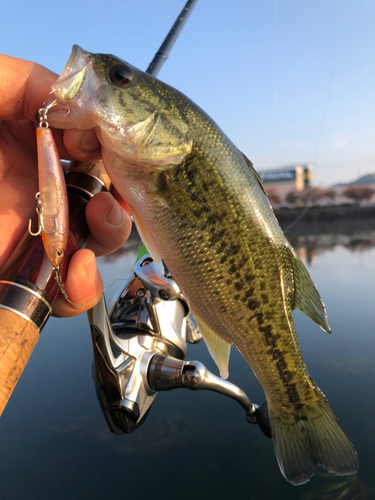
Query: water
x=193, y=445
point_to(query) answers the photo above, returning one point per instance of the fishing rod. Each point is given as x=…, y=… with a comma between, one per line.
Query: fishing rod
x=28, y=287
x=162, y=54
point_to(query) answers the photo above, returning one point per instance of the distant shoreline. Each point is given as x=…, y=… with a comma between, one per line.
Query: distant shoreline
x=347, y=219
x=323, y=213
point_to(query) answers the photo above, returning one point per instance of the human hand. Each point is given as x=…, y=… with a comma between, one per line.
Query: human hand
x=24, y=87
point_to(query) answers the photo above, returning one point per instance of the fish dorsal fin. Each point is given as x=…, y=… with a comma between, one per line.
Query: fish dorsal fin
x=187, y=204
x=306, y=295
x=255, y=174
x=217, y=347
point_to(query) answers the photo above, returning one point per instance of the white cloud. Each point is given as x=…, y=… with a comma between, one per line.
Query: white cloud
x=339, y=144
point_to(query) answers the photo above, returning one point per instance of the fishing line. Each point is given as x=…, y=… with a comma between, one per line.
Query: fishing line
x=330, y=75
x=297, y=219
x=92, y=298
x=276, y=80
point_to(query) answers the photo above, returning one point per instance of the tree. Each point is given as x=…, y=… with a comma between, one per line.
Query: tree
x=273, y=197
x=291, y=198
x=330, y=194
x=358, y=193
x=310, y=195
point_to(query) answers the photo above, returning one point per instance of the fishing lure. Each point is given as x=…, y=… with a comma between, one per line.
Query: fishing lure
x=52, y=199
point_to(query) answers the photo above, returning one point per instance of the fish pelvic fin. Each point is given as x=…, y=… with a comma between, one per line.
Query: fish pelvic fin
x=306, y=295
x=310, y=437
x=217, y=347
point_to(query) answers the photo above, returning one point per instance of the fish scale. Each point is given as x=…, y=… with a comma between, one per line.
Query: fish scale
x=244, y=311
x=199, y=205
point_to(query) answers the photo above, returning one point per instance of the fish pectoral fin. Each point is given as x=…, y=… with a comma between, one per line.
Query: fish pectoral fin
x=306, y=295
x=217, y=347
x=255, y=174
x=189, y=206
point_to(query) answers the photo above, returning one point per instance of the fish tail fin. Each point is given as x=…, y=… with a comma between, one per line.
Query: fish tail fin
x=309, y=437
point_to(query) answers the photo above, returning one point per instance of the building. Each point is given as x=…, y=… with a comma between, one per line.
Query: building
x=281, y=181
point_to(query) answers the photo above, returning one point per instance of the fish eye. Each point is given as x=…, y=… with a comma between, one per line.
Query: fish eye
x=119, y=75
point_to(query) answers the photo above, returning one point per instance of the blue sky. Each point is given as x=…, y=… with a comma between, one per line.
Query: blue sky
x=289, y=81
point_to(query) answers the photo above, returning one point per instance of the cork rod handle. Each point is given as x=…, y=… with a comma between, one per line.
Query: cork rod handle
x=18, y=337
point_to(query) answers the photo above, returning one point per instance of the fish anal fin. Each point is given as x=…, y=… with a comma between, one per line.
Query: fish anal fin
x=217, y=347
x=306, y=295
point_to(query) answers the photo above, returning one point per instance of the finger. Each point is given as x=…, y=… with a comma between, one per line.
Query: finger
x=82, y=145
x=24, y=86
x=83, y=286
x=109, y=224
x=117, y=196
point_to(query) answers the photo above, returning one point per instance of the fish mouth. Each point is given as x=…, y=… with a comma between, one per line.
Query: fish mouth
x=77, y=60
x=76, y=88
x=73, y=76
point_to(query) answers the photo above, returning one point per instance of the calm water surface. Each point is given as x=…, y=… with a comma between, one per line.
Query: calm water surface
x=54, y=442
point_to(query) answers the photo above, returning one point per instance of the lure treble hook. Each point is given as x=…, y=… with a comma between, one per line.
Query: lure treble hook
x=41, y=225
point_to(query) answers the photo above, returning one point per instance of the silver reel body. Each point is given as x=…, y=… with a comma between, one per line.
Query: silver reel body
x=140, y=346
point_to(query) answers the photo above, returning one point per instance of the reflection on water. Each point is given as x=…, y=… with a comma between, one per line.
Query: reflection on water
x=309, y=247
x=347, y=488
x=348, y=364
x=307, y=254
x=54, y=442
x=167, y=431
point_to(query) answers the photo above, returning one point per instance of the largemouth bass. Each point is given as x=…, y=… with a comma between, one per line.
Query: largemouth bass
x=200, y=206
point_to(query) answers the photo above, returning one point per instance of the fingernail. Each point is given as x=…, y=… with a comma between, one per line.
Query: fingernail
x=89, y=142
x=116, y=216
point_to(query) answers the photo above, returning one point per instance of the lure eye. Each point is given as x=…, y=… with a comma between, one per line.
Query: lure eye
x=119, y=75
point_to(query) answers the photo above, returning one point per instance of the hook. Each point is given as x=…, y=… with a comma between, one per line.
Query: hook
x=39, y=210
x=41, y=227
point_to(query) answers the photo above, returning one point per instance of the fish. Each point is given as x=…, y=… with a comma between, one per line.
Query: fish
x=200, y=207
